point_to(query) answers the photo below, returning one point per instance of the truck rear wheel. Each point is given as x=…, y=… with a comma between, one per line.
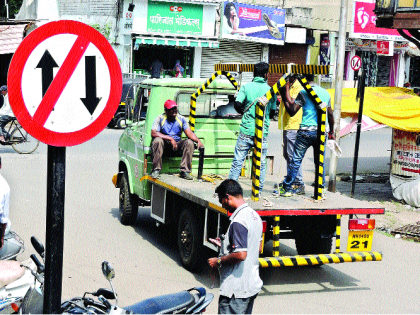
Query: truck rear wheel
x=189, y=240
x=313, y=244
x=129, y=203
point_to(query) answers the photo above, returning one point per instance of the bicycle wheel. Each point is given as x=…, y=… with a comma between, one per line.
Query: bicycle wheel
x=22, y=142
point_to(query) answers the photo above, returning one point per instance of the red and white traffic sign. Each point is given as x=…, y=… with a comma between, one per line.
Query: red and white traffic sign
x=64, y=83
x=356, y=63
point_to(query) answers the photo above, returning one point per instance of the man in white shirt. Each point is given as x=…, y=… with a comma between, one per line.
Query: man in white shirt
x=4, y=208
x=6, y=114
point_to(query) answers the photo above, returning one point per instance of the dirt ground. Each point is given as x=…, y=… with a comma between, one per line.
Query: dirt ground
x=377, y=190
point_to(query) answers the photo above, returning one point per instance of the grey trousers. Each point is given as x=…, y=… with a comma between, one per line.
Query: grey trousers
x=161, y=147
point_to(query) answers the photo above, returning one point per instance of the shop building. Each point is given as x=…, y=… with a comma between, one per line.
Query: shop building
x=169, y=31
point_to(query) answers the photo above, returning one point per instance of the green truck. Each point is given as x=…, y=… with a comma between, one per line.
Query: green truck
x=190, y=209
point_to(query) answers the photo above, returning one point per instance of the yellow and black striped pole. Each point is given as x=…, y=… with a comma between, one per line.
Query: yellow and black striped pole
x=258, y=138
x=338, y=234
x=322, y=110
x=193, y=102
x=276, y=236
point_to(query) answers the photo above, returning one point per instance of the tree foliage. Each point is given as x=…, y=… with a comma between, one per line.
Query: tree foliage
x=14, y=6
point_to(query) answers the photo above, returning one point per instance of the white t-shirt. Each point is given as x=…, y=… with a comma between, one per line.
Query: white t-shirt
x=244, y=234
x=6, y=109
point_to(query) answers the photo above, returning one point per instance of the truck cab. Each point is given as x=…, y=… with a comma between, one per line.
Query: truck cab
x=218, y=134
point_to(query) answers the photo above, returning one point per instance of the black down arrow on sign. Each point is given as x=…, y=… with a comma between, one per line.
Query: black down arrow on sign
x=91, y=101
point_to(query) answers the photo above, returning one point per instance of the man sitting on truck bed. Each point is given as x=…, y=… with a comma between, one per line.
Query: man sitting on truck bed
x=166, y=132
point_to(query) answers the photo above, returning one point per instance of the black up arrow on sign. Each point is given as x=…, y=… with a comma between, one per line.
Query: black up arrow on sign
x=47, y=63
x=90, y=101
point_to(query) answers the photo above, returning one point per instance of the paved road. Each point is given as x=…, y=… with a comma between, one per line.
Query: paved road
x=146, y=259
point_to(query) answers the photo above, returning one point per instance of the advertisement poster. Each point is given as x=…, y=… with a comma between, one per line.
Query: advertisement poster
x=253, y=23
x=174, y=18
x=324, y=50
x=365, y=23
x=405, y=153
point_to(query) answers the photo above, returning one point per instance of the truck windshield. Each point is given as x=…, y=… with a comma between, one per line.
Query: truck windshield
x=207, y=104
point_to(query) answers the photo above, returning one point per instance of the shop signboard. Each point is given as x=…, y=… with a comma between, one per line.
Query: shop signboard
x=364, y=23
x=405, y=155
x=254, y=23
x=175, y=18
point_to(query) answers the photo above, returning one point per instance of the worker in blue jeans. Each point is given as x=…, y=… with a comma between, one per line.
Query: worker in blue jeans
x=307, y=133
x=245, y=103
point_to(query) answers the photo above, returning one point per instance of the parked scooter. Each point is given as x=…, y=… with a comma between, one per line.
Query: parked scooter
x=16, y=278
x=13, y=246
x=192, y=301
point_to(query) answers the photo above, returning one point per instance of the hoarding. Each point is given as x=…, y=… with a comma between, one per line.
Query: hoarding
x=254, y=23
x=364, y=23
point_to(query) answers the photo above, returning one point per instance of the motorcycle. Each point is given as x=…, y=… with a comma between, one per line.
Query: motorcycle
x=13, y=246
x=16, y=278
x=192, y=301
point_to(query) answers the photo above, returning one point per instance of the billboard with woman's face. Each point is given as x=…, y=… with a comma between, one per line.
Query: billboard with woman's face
x=253, y=23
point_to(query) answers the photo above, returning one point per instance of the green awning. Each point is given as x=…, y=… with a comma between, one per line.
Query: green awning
x=176, y=42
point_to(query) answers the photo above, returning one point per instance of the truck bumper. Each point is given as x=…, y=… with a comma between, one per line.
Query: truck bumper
x=322, y=259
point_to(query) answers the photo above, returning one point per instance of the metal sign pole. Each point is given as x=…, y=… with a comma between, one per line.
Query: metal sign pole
x=361, y=90
x=54, y=229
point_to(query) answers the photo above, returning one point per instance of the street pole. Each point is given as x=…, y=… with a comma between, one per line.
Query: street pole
x=339, y=70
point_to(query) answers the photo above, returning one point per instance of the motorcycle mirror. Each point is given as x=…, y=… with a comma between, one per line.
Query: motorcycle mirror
x=38, y=246
x=108, y=271
x=108, y=294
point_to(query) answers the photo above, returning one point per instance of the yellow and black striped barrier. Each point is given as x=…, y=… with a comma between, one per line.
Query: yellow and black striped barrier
x=338, y=234
x=322, y=114
x=274, y=68
x=321, y=259
x=259, y=133
x=193, y=102
x=276, y=236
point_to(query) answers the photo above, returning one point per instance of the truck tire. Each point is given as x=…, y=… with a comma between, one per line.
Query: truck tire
x=190, y=235
x=121, y=123
x=129, y=203
x=313, y=244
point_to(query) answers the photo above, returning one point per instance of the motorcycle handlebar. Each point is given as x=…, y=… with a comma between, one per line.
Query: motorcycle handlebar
x=40, y=267
x=38, y=246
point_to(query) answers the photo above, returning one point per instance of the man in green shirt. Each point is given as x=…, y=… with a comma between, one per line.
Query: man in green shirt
x=245, y=102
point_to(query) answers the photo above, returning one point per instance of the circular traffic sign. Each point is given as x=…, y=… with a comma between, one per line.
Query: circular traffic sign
x=356, y=63
x=64, y=83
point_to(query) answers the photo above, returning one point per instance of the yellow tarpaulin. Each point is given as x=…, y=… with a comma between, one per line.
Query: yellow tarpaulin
x=396, y=107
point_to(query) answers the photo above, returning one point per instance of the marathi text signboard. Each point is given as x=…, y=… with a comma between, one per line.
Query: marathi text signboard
x=405, y=153
x=175, y=18
x=253, y=23
x=365, y=23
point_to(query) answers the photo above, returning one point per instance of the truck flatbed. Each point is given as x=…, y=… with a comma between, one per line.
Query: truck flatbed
x=202, y=192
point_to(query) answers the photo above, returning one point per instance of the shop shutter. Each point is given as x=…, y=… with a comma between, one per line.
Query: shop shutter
x=230, y=51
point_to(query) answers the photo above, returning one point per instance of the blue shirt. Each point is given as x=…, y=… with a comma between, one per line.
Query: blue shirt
x=171, y=128
x=309, y=110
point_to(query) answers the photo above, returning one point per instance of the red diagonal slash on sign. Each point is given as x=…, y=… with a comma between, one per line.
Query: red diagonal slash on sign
x=60, y=81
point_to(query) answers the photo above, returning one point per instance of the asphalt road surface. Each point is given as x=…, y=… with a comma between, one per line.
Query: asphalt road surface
x=146, y=259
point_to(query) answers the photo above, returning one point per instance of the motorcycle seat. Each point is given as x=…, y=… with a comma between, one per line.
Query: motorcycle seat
x=10, y=270
x=167, y=303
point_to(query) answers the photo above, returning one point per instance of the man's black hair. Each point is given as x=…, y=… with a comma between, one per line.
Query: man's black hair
x=229, y=187
x=309, y=77
x=261, y=69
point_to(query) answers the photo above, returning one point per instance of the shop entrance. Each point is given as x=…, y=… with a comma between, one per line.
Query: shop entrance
x=168, y=55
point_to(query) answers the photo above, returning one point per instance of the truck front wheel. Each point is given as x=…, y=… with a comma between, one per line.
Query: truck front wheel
x=129, y=203
x=189, y=240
